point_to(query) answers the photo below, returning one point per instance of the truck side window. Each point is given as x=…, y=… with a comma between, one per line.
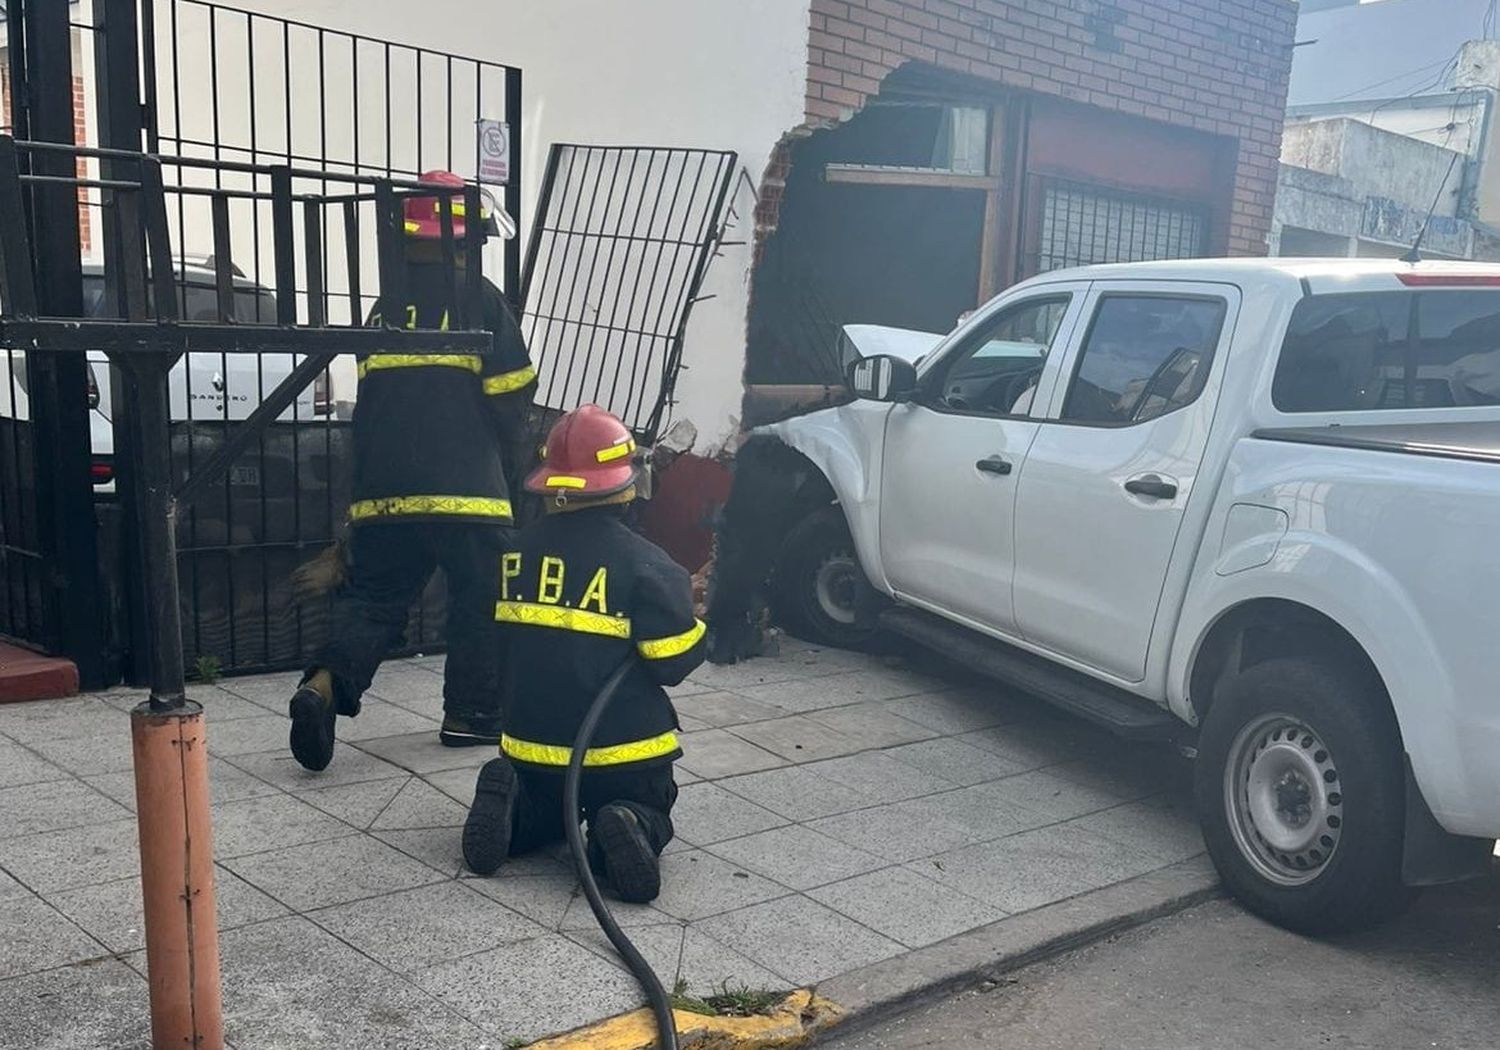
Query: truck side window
x=995, y=371
x=1145, y=356
x=1374, y=351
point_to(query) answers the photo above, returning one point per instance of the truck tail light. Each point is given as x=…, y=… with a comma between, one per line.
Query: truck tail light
x=1449, y=280
x=101, y=472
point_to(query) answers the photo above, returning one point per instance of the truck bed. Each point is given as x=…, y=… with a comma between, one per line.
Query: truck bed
x=1479, y=441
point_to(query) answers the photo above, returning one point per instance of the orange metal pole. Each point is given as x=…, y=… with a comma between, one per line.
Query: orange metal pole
x=177, y=877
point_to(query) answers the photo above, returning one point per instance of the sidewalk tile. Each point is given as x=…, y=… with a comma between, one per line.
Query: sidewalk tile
x=954, y=760
x=379, y=718
x=533, y=988
x=580, y=916
x=415, y=929
x=1035, y=867
x=1164, y=827
x=798, y=857
x=356, y=804
x=799, y=939
x=441, y=849
x=797, y=738
x=757, y=673
x=705, y=813
x=544, y=899
x=1049, y=793
x=271, y=691
x=457, y=784
x=1044, y=740
x=248, y=736
x=10, y=888
x=289, y=984
x=880, y=778
x=107, y=751
x=1132, y=772
x=715, y=753
x=111, y=912
x=951, y=713
x=350, y=766
x=726, y=709
x=271, y=821
x=905, y=906
x=19, y=765
x=836, y=690
x=319, y=874
x=695, y=884
x=709, y=967
x=420, y=805
x=33, y=808
x=421, y=753
x=898, y=831
x=660, y=944
x=33, y=936
x=59, y=860
x=101, y=1007
x=795, y=792
x=976, y=810
x=871, y=725
x=82, y=716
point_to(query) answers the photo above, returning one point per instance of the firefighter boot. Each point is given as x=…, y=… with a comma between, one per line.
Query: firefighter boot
x=313, y=716
x=629, y=860
x=459, y=731
x=487, y=831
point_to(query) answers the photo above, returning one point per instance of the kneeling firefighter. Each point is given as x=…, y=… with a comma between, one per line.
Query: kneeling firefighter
x=431, y=436
x=580, y=594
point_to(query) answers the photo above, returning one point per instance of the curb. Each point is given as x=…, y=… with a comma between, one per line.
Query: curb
x=865, y=996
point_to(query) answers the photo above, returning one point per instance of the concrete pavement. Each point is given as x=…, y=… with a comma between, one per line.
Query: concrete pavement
x=1216, y=978
x=837, y=813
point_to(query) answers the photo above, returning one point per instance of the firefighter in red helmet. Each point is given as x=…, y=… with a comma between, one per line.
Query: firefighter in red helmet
x=580, y=594
x=432, y=434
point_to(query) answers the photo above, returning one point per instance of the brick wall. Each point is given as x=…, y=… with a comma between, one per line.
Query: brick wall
x=1218, y=66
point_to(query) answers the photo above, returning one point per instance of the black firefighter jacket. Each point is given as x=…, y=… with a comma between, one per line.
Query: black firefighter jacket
x=582, y=593
x=429, y=429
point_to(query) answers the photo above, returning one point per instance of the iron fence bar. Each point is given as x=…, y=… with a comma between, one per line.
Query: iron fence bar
x=223, y=274
x=573, y=284
x=631, y=237
x=241, y=436
x=534, y=243
x=17, y=282
x=640, y=271
x=588, y=359
x=513, y=202
x=312, y=238
x=285, y=261
x=352, y=259
x=473, y=305
x=389, y=230
x=69, y=335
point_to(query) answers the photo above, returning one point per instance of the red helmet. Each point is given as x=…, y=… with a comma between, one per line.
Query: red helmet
x=423, y=215
x=588, y=455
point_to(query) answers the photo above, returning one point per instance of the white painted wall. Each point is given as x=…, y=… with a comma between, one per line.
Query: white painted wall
x=724, y=74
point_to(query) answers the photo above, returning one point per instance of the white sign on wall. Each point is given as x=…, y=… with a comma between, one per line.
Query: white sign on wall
x=494, y=152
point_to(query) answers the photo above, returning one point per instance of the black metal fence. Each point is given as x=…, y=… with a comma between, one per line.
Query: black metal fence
x=622, y=239
x=271, y=133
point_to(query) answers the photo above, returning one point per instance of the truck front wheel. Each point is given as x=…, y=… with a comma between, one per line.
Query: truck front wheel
x=1301, y=797
x=818, y=589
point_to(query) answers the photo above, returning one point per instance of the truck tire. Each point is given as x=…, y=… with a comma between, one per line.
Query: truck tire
x=1301, y=795
x=817, y=583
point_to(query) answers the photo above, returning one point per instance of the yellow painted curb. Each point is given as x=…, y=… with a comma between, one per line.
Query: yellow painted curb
x=794, y=1020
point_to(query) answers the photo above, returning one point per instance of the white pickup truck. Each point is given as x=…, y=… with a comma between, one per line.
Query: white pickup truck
x=1249, y=506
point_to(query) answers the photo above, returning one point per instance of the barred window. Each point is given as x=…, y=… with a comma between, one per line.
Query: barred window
x=1083, y=225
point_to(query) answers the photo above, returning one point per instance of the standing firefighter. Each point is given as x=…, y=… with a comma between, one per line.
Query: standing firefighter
x=579, y=595
x=430, y=435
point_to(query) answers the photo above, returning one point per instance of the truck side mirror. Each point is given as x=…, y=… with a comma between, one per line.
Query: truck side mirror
x=882, y=378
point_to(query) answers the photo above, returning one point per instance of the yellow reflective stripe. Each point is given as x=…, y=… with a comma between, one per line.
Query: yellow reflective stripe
x=396, y=506
x=506, y=382
x=376, y=362
x=412, y=227
x=666, y=648
x=565, y=481
x=614, y=755
x=562, y=618
x=614, y=452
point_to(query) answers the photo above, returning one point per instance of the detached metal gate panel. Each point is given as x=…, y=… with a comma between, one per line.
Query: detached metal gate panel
x=623, y=237
x=1082, y=225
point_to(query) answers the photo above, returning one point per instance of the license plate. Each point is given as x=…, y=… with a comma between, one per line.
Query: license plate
x=244, y=475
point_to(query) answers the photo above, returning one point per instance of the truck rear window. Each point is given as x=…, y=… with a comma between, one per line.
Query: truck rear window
x=1373, y=351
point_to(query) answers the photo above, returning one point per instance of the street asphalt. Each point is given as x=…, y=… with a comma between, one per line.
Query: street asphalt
x=1216, y=978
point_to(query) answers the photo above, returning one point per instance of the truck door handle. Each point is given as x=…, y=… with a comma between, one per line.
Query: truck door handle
x=1151, y=486
x=994, y=465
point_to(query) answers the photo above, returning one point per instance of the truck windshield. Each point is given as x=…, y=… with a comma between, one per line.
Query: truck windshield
x=1374, y=351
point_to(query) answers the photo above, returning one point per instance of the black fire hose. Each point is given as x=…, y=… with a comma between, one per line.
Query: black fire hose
x=661, y=1006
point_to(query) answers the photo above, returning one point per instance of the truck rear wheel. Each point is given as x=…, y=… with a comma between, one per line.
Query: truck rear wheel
x=818, y=585
x=1301, y=795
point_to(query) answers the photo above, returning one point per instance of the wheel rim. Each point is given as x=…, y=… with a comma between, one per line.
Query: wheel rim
x=1284, y=799
x=836, y=586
